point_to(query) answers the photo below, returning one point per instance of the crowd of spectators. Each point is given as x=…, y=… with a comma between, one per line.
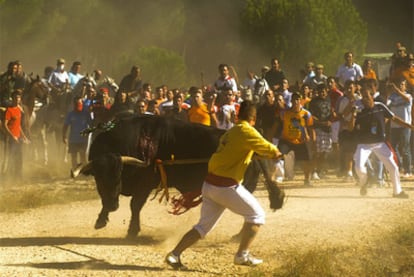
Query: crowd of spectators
x=313, y=120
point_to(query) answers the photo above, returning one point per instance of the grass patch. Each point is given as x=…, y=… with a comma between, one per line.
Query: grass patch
x=311, y=263
x=327, y=263
x=392, y=255
x=404, y=235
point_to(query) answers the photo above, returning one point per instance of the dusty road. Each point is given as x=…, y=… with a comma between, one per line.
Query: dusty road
x=59, y=240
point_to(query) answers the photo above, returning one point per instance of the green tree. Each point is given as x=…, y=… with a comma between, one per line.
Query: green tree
x=159, y=66
x=95, y=32
x=300, y=31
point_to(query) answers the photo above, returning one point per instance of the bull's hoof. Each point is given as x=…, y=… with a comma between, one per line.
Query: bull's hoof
x=100, y=223
x=132, y=233
x=132, y=237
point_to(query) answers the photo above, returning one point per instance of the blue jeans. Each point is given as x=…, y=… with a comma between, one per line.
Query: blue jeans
x=400, y=141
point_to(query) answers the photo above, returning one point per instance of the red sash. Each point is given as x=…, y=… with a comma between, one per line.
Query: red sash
x=220, y=181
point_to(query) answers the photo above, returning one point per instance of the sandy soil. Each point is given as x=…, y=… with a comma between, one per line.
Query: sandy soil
x=59, y=240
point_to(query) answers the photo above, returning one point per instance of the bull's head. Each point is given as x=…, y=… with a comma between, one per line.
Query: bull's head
x=109, y=180
x=109, y=193
x=109, y=184
x=107, y=170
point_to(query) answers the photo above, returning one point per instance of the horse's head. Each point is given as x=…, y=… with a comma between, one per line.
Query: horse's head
x=36, y=89
x=110, y=84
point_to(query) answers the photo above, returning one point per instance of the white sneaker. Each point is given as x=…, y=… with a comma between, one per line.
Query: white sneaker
x=279, y=180
x=315, y=176
x=175, y=262
x=247, y=259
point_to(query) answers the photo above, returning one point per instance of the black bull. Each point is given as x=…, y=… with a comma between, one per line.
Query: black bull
x=125, y=160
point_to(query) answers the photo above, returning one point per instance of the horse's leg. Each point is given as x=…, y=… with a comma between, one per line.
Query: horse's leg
x=63, y=148
x=136, y=204
x=5, y=163
x=43, y=144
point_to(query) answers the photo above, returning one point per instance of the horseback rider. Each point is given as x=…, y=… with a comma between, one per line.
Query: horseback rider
x=59, y=79
x=7, y=84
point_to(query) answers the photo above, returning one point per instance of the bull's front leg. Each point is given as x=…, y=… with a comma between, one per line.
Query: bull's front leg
x=102, y=219
x=136, y=204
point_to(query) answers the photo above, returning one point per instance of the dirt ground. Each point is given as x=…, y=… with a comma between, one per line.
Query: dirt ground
x=59, y=240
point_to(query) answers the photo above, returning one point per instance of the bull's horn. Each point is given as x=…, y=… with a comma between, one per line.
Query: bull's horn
x=133, y=161
x=80, y=168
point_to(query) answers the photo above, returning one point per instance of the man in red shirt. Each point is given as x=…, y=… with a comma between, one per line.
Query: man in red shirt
x=15, y=138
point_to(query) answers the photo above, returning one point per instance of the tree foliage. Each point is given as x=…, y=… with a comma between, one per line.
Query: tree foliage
x=300, y=31
x=192, y=37
x=162, y=63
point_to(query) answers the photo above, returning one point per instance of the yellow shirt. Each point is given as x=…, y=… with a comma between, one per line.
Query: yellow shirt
x=236, y=149
x=294, y=125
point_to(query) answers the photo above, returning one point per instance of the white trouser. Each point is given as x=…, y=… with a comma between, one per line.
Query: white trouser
x=384, y=154
x=235, y=198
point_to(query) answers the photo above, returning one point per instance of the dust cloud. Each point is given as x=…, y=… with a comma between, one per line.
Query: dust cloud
x=204, y=33
x=107, y=34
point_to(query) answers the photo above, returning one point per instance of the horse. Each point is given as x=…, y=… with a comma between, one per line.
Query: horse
x=34, y=104
x=34, y=96
x=33, y=91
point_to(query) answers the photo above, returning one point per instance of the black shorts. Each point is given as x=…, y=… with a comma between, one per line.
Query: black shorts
x=301, y=150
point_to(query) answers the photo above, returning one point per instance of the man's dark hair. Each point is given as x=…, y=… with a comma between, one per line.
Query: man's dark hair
x=274, y=59
x=348, y=83
x=331, y=78
x=222, y=65
x=76, y=99
x=17, y=92
x=193, y=90
x=146, y=85
x=348, y=53
x=320, y=87
x=295, y=96
x=10, y=66
x=247, y=110
x=134, y=68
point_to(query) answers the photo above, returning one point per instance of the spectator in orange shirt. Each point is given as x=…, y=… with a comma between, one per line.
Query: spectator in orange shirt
x=15, y=138
x=297, y=134
x=201, y=112
x=369, y=72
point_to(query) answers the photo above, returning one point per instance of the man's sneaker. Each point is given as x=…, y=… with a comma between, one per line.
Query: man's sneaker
x=402, y=195
x=174, y=261
x=279, y=180
x=247, y=259
x=406, y=176
x=315, y=176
